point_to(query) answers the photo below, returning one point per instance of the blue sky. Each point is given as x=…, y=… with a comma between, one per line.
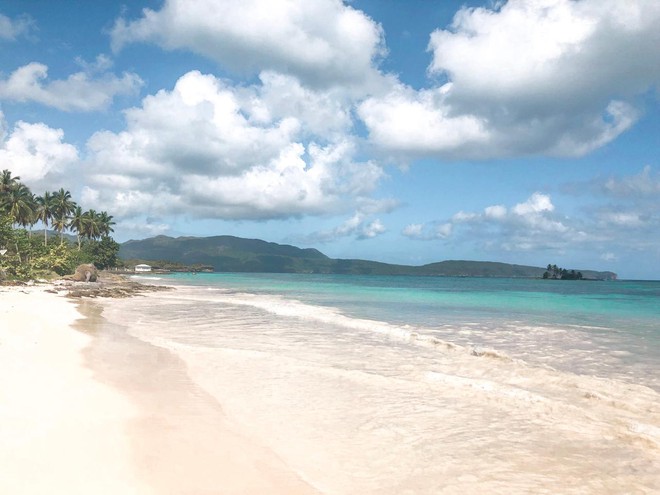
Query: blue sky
x=408, y=132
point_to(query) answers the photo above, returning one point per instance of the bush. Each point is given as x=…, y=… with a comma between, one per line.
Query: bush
x=26, y=257
x=58, y=259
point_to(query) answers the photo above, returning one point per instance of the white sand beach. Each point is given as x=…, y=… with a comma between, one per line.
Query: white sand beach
x=60, y=430
x=67, y=429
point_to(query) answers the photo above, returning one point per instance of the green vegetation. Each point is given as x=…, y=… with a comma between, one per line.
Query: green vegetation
x=234, y=254
x=24, y=256
x=556, y=273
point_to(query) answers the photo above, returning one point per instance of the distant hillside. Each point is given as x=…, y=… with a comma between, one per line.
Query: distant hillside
x=235, y=254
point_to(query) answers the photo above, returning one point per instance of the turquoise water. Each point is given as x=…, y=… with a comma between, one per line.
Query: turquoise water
x=426, y=300
x=601, y=328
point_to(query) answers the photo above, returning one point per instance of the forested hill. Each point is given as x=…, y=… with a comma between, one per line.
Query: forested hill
x=235, y=254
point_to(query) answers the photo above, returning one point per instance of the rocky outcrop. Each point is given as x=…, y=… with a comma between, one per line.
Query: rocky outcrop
x=84, y=273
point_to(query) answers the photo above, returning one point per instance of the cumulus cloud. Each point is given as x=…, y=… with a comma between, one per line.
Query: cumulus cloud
x=531, y=224
x=11, y=29
x=324, y=112
x=322, y=42
x=359, y=226
x=212, y=150
x=420, y=123
x=83, y=91
x=556, y=77
x=36, y=153
x=428, y=232
x=618, y=215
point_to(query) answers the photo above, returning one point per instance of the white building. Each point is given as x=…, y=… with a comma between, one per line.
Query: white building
x=142, y=268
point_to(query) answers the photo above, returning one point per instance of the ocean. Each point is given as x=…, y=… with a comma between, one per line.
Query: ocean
x=425, y=385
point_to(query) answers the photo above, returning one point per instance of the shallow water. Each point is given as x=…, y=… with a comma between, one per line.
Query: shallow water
x=367, y=385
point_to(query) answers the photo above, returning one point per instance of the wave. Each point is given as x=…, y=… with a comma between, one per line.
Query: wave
x=292, y=308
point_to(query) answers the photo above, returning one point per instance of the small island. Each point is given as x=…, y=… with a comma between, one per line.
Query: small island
x=554, y=272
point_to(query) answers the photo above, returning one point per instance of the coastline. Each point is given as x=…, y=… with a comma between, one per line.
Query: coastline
x=197, y=390
x=85, y=408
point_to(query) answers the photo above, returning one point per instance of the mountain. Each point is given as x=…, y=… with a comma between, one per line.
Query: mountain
x=235, y=254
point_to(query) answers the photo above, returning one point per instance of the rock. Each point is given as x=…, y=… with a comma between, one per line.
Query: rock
x=85, y=273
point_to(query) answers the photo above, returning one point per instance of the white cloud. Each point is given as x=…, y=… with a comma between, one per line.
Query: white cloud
x=11, y=29
x=358, y=226
x=556, y=77
x=322, y=42
x=528, y=225
x=324, y=112
x=420, y=123
x=496, y=212
x=609, y=256
x=82, y=91
x=414, y=230
x=623, y=219
x=212, y=150
x=432, y=231
x=644, y=184
x=536, y=203
x=463, y=216
x=372, y=230
x=443, y=230
x=36, y=153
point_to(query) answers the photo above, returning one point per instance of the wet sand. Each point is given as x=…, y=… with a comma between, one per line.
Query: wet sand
x=85, y=408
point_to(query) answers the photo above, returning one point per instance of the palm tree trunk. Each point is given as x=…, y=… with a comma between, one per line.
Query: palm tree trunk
x=45, y=236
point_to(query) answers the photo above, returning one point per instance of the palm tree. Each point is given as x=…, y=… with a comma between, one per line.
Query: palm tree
x=91, y=225
x=63, y=206
x=105, y=223
x=7, y=181
x=77, y=223
x=45, y=212
x=18, y=202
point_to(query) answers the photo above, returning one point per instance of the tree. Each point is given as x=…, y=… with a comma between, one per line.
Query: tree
x=18, y=203
x=91, y=225
x=77, y=223
x=105, y=224
x=103, y=253
x=7, y=181
x=45, y=212
x=62, y=206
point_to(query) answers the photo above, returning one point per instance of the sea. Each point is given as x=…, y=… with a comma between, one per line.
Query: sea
x=424, y=385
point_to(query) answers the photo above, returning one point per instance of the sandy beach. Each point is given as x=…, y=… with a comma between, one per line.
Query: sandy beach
x=84, y=412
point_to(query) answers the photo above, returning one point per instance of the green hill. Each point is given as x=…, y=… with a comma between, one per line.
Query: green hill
x=235, y=254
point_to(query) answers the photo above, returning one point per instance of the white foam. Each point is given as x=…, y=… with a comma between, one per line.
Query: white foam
x=361, y=406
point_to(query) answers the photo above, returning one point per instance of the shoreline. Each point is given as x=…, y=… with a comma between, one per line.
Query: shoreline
x=205, y=394
x=99, y=411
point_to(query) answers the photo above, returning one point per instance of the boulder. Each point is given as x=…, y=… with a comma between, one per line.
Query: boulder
x=85, y=273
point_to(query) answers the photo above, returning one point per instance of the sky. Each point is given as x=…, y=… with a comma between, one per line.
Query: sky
x=520, y=131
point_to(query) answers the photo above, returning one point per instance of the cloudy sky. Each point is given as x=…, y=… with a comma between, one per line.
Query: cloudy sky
x=407, y=131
